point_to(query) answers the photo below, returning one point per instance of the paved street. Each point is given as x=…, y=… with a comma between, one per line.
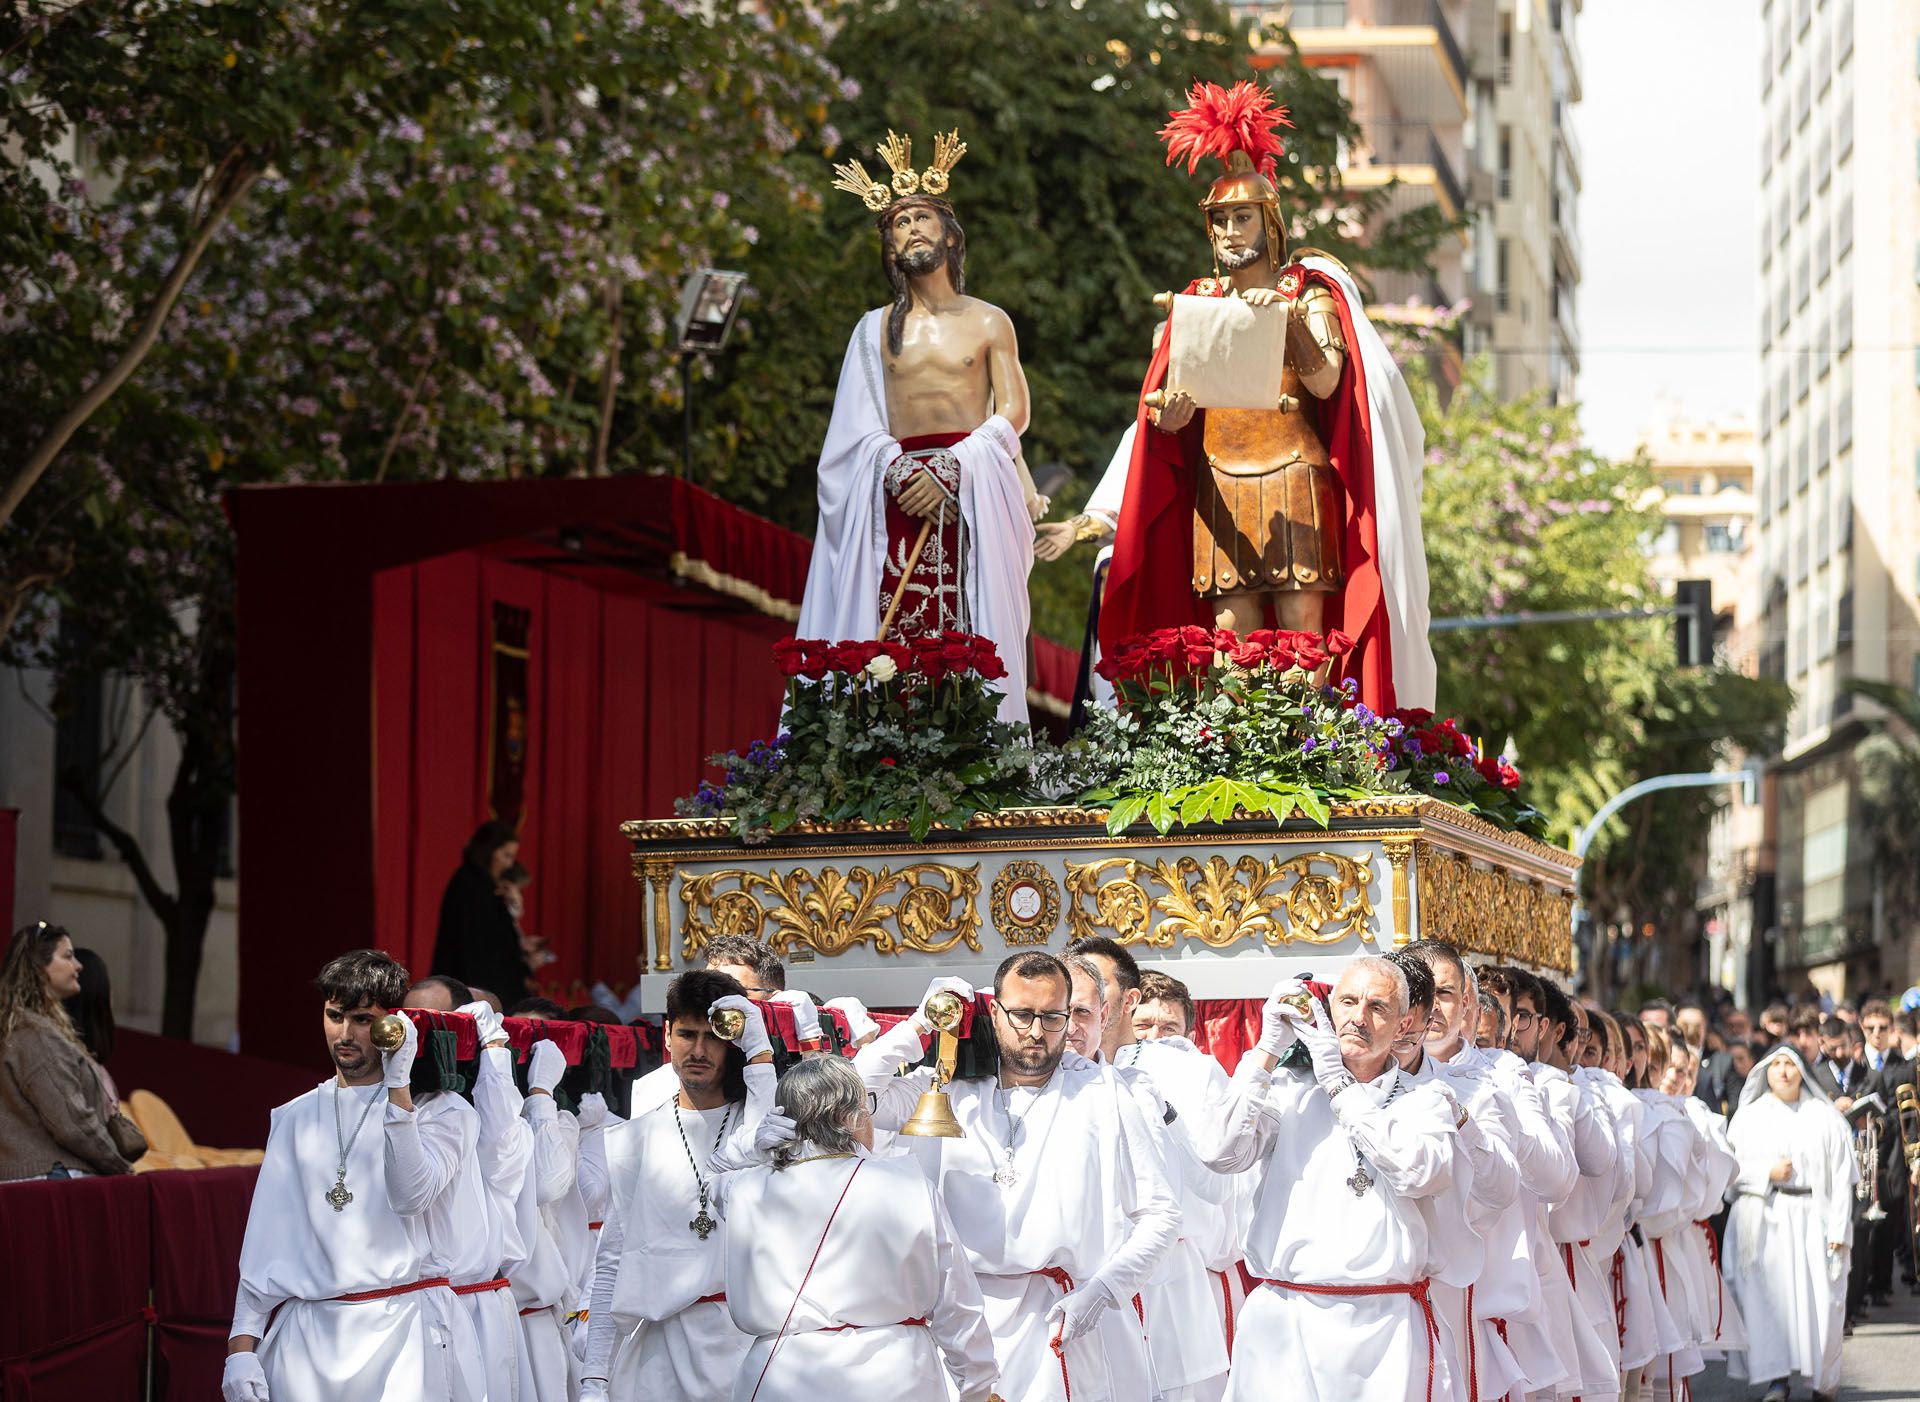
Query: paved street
x=1882, y=1361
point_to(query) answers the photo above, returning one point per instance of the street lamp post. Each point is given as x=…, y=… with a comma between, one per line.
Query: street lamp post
x=709, y=301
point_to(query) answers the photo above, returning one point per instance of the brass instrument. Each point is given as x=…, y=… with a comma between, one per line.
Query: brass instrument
x=727, y=1023
x=1906, y=1114
x=389, y=1031
x=933, y=1116
x=1866, y=1149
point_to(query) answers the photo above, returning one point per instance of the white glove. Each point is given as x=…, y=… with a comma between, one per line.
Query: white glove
x=593, y=1390
x=546, y=1064
x=398, y=1063
x=486, y=1022
x=1323, y=1045
x=753, y=1037
x=1279, y=1024
x=776, y=1127
x=806, y=1017
x=939, y=985
x=591, y=1112
x=1074, y=1314
x=244, y=1380
x=859, y=1022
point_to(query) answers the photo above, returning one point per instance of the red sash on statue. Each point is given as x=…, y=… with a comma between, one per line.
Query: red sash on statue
x=933, y=603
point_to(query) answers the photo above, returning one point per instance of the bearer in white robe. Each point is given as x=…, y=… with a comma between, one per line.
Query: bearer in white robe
x=1061, y=1210
x=342, y=1293
x=843, y=1267
x=1338, y=1241
x=1476, y=1232
x=1791, y=1227
x=1663, y=1213
x=1719, y=1169
x=658, y=1328
x=596, y=1193
x=1572, y=1222
x=1175, y=1306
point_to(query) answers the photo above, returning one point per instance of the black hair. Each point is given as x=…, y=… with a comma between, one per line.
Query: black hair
x=897, y=277
x=536, y=1006
x=91, y=1009
x=746, y=952
x=456, y=990
x=363, y=978
x=1419, y=978
x=1559, y=1008
x=688, y=999
x=593, y=1012
x=487, y=839
x=1031, y=963
x=1126, y=969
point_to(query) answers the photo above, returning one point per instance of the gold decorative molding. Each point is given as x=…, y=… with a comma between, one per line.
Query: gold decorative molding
x=1493, y=912
x=1277, y=901
x=1025, y=903
x=1399, y=852
x=659, y=872
x=935, y=909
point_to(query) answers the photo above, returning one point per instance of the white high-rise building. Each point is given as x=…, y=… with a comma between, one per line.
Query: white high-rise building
x=1838, y=483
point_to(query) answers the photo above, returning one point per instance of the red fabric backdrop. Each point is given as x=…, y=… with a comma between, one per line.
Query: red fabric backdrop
x=625, y=698
x=82, y=1258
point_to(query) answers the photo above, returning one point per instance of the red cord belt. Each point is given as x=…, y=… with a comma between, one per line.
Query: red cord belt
x=1414, y=1290
x=482, y=1286
x=360, y=1297
x=1719, y=1280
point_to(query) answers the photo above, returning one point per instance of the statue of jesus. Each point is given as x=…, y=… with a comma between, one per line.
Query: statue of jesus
x=926, y=510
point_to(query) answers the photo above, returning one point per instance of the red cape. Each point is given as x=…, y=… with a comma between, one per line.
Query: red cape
x=1150, y=579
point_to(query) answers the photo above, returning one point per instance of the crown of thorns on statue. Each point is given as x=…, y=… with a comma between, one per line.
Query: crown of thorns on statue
x=897, y=152
x=1225, y=123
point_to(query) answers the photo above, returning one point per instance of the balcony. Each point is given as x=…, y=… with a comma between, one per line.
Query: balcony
x=1566, y=239
x=1409, y=152
x=1561, y=13
x=1410, y=43
x=1569, y=143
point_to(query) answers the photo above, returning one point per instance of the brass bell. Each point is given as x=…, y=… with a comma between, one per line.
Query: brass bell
x=932, y=1117
x=388, y=1032
x=727, y=1023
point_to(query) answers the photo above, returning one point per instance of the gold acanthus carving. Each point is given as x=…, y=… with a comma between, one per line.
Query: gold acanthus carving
x=925, y=906
x=1276, y=901
x=1492, y=912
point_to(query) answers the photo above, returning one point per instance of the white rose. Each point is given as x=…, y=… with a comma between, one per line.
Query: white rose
x=882, y=668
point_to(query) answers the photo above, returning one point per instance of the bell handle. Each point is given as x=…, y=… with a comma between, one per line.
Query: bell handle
x=1163, y=303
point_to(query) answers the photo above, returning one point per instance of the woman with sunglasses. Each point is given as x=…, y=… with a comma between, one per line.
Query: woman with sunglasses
x=53, y=1107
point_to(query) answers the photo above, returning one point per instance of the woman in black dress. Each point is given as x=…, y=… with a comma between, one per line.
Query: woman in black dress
x=477, y=942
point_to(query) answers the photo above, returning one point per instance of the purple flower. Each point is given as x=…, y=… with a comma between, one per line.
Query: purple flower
x=1413, y=748
x=1440, y=776
x=1309, y=746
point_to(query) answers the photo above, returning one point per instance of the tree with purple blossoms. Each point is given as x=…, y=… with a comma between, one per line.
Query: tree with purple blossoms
x=336, y=241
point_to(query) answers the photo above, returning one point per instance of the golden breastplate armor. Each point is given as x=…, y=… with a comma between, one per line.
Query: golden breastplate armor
x=1267, y=512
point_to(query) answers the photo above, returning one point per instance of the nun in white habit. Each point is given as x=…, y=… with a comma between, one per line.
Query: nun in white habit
x=1791, y=1227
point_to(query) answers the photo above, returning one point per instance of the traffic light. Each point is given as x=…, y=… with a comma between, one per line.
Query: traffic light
x=1693, y=622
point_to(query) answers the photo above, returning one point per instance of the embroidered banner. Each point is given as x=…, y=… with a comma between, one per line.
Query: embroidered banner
x=507, y=715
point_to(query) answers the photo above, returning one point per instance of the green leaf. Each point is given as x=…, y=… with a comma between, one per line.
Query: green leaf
x=1160, y=813
x=1125, y=812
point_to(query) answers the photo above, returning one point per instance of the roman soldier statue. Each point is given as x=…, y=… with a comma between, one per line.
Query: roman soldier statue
x=1304, y=515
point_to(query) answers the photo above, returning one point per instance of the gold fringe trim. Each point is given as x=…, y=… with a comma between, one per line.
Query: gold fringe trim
x=706, y=576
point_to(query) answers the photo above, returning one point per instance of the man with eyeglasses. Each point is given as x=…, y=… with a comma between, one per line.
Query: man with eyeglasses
x=1888, y=1069
x=1060, y=1204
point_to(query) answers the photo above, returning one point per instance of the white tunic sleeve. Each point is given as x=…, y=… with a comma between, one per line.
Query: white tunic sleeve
x=506, y=1141
x=878, y=1063
x=1410, y=1142
x=1242, y=1129
x=556, y=1149
x=601, y=1331
x=423, y=1154
x=1151, y=1207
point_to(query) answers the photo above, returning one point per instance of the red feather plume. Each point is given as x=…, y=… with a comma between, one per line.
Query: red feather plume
x=1221, y=121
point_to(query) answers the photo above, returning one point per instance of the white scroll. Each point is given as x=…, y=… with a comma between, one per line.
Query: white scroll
x=1227, y=353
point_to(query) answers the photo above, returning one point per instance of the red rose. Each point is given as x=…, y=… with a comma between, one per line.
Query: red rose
x=1307, y=652
x=1263, y=637
x=1509, y=776
x=1248, y=654
x=1338, y=644
x=1412, y=717
x=990, y=667
x=789, y=655
x=1164, y=645
x=886, y=761
x=1280, y=655
x=1225, y=640
x=1194, y=636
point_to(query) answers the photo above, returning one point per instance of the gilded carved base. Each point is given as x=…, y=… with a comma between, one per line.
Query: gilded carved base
x=1224, y=908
